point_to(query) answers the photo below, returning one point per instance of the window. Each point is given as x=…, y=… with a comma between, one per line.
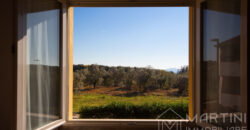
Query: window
x=43, y=68
x=218, y=50
x=40, y=69
x=126, y=62
x=221, y=59
x=221, y=56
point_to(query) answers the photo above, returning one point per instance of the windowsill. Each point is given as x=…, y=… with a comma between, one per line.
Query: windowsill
x=89, y=122
x=122, y=124
x=129, y=120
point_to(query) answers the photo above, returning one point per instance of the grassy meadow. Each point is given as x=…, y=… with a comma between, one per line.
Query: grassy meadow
x=107, y=106
x=93, y=100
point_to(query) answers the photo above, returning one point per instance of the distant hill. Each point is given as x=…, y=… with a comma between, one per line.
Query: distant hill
x=175, y=70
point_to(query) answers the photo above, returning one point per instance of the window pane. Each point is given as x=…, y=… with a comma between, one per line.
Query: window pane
x=43, y=68
x=221, y=57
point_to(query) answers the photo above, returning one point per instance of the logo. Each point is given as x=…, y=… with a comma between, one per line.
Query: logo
x=217, y=121
x=169, y=124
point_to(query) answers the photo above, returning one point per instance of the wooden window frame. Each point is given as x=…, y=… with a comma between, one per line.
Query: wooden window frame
x=125, y=3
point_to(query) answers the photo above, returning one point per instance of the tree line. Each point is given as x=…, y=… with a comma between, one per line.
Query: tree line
x=143, y=79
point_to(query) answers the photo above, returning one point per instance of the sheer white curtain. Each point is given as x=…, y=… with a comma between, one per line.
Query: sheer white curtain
x=43, y=68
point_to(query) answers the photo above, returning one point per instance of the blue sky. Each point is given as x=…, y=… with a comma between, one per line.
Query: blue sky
x=135, y=36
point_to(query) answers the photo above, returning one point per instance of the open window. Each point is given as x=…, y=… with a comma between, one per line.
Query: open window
x=131, y=63
x=40, y=65
x=45, y=66
x=190, y=60
x=217, y=59
x=221, y=57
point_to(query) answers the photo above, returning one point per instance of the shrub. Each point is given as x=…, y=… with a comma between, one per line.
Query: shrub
x=129, y=110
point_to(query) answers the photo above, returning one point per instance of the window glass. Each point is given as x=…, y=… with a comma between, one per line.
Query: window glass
x=43, y=68
x=221, y=57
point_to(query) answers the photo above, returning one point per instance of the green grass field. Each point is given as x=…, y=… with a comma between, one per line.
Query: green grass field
x=107, y=106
